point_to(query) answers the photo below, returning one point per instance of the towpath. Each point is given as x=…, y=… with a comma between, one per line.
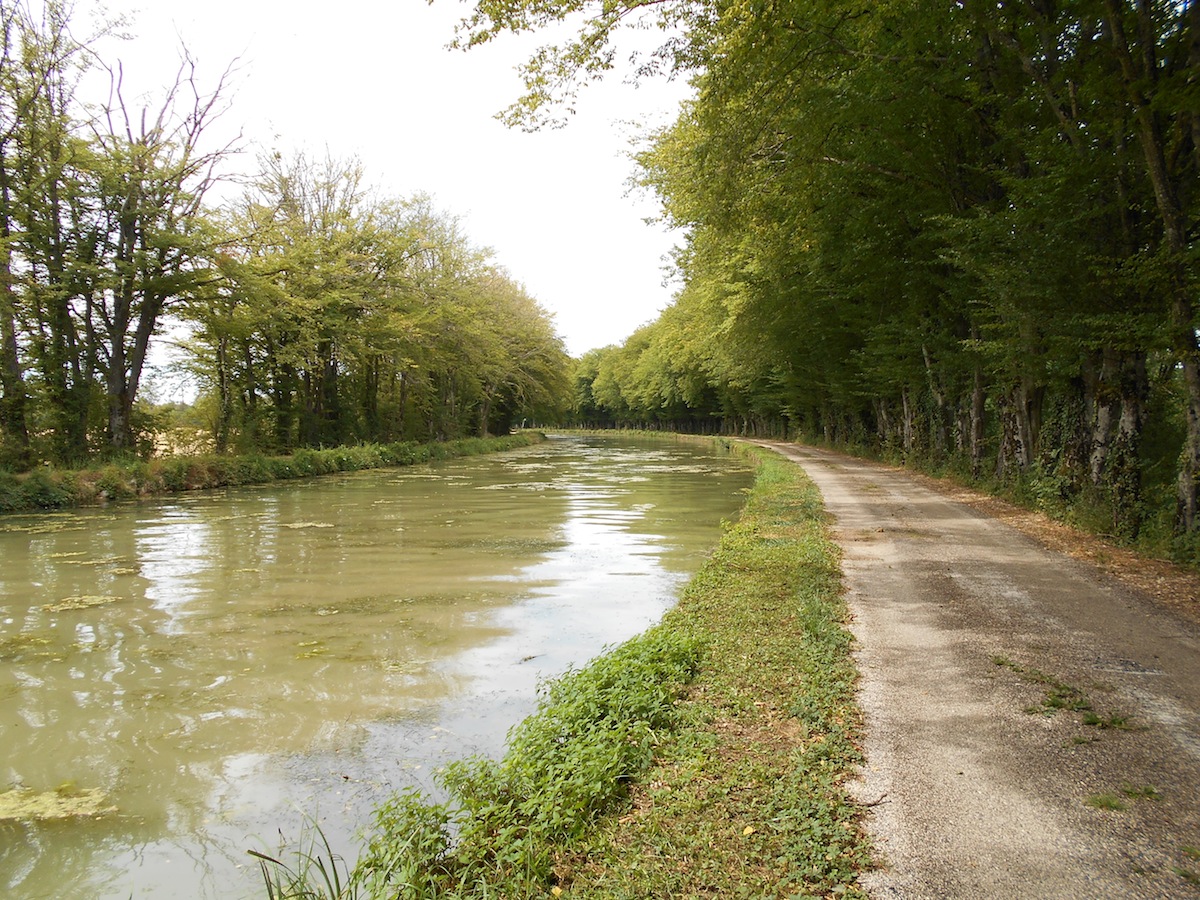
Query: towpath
x=1012, y=694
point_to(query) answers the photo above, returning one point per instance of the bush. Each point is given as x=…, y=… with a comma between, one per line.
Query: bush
x=172, y=473
x=10, y=492
x=595, y=729
x=41, y=489
x=114, y=484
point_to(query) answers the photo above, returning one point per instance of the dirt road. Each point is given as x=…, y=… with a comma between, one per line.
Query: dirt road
x=1032, y=726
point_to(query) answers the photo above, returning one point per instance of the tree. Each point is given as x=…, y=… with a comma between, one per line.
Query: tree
x=39, y=65
x=149, y=246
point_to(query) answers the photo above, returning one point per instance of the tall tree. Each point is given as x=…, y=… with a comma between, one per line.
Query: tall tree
x=14, y=100
x=39, y=65
x=148, y=179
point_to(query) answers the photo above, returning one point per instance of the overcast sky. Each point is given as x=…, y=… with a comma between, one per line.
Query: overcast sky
x=372, y=79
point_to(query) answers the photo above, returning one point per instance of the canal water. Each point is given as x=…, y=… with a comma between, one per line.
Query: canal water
x=183, y=681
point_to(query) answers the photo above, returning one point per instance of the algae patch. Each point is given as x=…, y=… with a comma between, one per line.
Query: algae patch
x=64, y=803
x=26, y=645
x=83, y=602
x=103, y=561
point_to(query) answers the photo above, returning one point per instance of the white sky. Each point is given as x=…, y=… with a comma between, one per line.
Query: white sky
x=372, y=79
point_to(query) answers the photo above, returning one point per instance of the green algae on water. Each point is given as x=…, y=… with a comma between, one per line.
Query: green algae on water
x=66, y=802
x=82, y=602
x=28, y=645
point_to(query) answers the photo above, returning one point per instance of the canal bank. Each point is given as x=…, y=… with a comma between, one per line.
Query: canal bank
x=707, y=757
x=48, y=488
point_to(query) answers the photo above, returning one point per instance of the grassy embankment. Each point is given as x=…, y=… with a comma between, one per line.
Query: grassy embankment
x=706, y=757
x=51, y=488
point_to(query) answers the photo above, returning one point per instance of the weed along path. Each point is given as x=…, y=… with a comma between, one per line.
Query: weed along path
x=1032, y=725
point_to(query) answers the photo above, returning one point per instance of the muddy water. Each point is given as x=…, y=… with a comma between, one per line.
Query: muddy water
x=203, y=673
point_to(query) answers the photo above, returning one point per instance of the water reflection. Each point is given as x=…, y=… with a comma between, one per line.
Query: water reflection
x=217, y=663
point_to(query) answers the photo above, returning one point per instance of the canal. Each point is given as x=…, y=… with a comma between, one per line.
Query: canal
x=185, y=680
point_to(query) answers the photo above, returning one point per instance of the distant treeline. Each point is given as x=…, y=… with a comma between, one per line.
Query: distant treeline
x=958, y=233
x=317, y=312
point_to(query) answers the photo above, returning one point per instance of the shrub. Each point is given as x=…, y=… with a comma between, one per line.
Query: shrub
x=41, y=489
x=595, y=729
x=113, y=484
x=10, y=492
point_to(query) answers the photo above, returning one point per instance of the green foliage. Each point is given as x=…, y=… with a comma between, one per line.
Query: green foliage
x=48, y=488
x=961, y=236
x=1106, y=801
x=748, y=797
x=409, y=851
x=1062, y=696
x=42, y=488
x=10, y=492
x=594, y=731
x=1141, y=791
x=321, y=314
x=317, y=873
x=342, y=316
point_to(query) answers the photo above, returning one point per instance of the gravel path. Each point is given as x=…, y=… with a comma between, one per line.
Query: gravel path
x=974, y=643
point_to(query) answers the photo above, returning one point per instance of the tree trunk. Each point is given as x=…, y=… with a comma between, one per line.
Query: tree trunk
x=1188, y=484
x=978, y=422
x=939, y=433
x=224, y=397
x=1103, y=399
x=403, y=402
x=883, y=423
x=120, y=404
x=485, y=410
x=908, y=425
x=371, y=376
x=1010, y=455
x=1125, y=471
x=120, y=417
x=1027, y=404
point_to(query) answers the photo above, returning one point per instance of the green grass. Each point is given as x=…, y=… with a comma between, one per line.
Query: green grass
x=706, y=757
x=1187, y=875
x=748, y=798
x=1112, y=720
x=316, y=874
x=1141, y=791
x=1058, y=695
x=1106, y=801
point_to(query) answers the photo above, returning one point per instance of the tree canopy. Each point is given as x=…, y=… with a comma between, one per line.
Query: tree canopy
x=962, y=232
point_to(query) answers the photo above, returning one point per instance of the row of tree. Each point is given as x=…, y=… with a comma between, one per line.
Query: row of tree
x=335, y=316
x=961, y=230
x=320, y=312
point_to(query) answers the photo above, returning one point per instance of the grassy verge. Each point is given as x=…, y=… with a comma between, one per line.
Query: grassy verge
x=50, y=488
x=748, y=798
x=706, y=757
